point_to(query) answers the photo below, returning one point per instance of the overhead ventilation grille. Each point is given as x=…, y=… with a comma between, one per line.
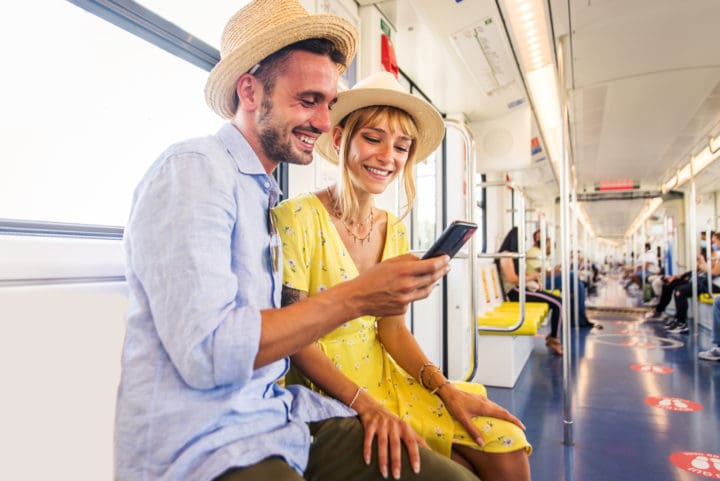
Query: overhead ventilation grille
x=483, y=48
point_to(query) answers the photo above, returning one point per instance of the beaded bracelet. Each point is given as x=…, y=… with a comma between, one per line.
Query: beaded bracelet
x=355, y=397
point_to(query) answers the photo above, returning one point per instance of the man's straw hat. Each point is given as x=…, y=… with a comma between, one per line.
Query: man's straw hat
x=261, y=28
x=383, y=89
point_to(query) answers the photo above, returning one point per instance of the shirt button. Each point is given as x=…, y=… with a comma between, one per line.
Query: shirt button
x=267, y=185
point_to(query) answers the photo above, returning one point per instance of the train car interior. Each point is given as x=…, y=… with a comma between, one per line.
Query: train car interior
x=591, y=127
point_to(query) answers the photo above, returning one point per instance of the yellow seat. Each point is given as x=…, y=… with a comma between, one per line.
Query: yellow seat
x=507, y=315
x=706, y=298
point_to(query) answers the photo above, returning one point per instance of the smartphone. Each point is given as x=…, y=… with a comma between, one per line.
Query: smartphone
x=452, y=239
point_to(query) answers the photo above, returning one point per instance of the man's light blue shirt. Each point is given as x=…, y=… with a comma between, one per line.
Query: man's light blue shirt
x=199, y=269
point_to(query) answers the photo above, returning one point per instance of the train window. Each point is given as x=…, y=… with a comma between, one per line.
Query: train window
x=208, y=26
x=88, y=109
x=426, y=214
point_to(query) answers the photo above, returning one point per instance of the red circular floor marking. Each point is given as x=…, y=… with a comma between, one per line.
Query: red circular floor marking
x=703, y=464
x=653, y=368
x=673, y=404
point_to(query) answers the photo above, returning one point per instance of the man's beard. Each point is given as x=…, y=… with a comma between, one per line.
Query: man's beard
x=270, y=139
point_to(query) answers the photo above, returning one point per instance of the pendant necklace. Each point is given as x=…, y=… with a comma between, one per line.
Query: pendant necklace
x=348, y=229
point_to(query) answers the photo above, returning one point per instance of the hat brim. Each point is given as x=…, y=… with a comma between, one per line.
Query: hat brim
x=429, y=122
x=221, y=83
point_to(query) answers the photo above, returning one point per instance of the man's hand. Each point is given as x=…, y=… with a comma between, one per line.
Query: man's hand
x=387, y=288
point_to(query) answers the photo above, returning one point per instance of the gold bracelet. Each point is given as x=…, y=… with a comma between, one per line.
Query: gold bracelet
x=355, y=397
x=422, y=370
x=441, y=385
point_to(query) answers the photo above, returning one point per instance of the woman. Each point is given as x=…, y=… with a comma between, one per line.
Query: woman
x=508, y=269
x=375, y=365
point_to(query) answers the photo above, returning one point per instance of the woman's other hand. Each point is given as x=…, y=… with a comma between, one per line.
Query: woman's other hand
x=464, y=406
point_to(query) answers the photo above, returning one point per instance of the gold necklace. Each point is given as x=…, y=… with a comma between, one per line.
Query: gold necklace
x=348, y=228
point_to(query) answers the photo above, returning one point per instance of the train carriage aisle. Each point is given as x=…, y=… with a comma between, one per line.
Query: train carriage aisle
x=645, y=406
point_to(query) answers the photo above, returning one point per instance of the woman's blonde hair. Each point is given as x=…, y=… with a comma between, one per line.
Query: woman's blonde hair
x=347, y=203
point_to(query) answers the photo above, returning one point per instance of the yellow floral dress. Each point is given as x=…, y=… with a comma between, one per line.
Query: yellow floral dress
x=315, y=259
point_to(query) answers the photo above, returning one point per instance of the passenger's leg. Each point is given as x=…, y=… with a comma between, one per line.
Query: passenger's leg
x=271, y=468
x=512, y=466
x=665, y=296
x=336, y=453
x=555, y=304
x=681, y=294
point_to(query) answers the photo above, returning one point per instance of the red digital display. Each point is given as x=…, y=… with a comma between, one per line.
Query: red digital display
x=617, y=184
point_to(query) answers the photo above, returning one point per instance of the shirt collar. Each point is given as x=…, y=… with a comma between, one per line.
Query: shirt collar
x=239, y=149
x=244, y=156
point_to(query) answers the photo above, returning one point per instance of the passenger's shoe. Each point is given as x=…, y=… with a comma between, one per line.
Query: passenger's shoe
x=681, y=328
x=712, y=354
x=655, y=316
x=670, y=324
x=554, y=345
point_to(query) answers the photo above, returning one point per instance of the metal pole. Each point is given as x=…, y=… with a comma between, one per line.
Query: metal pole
x=543, y=249
x=565, y=233
x=644, y=273
x=522, y=248
x=553, y=240
x=708, y=257
x=470, y=166
x=694, y=250
x=575, y=262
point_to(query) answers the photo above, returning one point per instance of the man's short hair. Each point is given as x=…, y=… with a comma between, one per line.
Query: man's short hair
x=273, y=64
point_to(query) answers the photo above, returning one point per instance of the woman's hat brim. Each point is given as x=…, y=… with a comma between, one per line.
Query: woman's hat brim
x=429, y=122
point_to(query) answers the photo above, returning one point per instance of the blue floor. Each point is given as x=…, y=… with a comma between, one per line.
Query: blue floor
x=616, y=434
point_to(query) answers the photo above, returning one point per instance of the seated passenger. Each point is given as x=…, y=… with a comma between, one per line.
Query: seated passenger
x=374, y=364
x=553, y=277
x=683, y=292
x=647, y=269
x=713, y=354
x=509, y=277
x=667, y=284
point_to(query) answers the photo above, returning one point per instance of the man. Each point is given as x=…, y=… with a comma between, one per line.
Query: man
x=206, y=342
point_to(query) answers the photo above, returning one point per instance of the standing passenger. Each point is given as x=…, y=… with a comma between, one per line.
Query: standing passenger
x=206, y=340
x=373, y=363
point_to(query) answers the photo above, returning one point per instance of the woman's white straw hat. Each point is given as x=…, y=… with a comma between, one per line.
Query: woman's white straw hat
x=261, y=28
x=382, y=88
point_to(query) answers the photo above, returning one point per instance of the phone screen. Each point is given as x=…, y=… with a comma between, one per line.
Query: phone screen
x=452, y=239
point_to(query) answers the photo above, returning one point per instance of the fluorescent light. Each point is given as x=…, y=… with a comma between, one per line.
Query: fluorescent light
x=542, y=85
x=695, y=165
x=529, y=26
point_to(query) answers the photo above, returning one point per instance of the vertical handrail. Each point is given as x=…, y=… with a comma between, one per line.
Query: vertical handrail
x=520, y=255
x=470, y=170
x=708, y=257
x=575, y=262
x=543, y=252
x=643, y=241
x=564, y=227
x=693, y=250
